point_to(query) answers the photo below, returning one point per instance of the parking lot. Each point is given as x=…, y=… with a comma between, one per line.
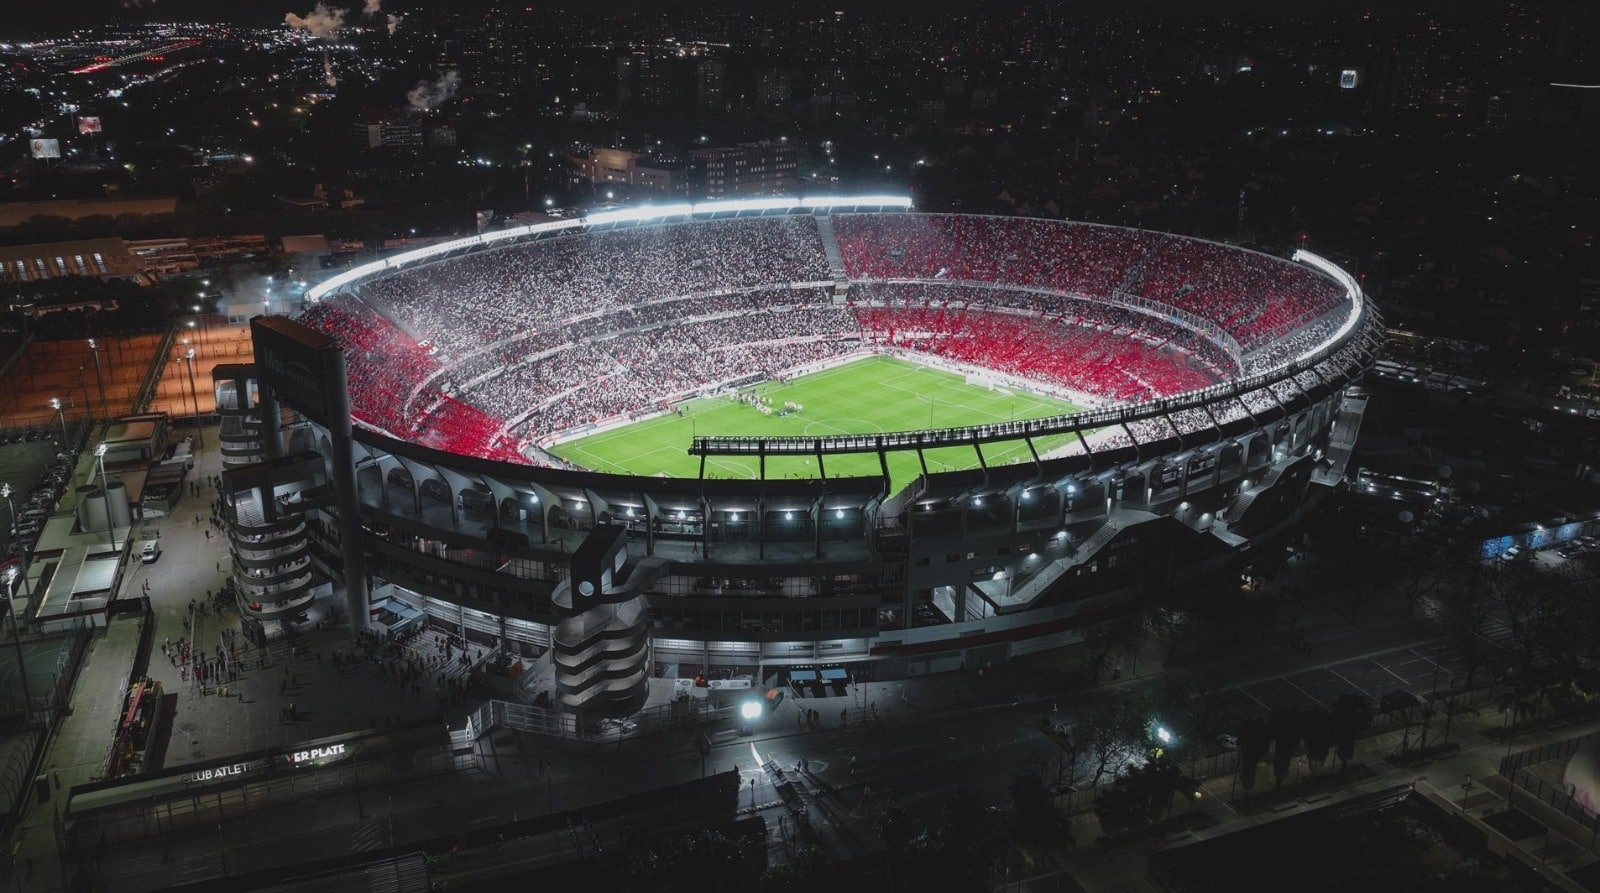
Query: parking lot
x=1418, y=669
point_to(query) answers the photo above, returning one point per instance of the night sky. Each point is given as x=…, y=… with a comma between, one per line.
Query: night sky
x=34, y=18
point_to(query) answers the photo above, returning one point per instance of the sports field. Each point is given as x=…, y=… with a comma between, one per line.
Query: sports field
x=868, y=396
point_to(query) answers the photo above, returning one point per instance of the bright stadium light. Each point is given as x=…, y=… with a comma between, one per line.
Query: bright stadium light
x=750, y=709
x=624, y=215
x=1352, y=291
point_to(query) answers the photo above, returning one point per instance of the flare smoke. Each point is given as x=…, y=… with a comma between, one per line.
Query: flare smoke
x=425, y=96
x=320, y=22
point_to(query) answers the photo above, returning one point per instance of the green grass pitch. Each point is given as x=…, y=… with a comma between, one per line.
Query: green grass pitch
x=867, y=396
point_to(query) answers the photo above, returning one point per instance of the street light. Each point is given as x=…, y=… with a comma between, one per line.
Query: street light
x=749, y=711
x=105, y=495
x=55, y=404
x=5, y=492
x=194, y=393
x=99, y=376
x=83, y=382
x=12, y=573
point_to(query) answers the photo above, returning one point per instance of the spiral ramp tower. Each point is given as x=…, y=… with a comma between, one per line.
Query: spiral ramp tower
x=602, y=640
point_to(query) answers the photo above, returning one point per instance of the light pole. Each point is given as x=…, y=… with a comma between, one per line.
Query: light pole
x=55, y=404
x=16, y=640
x=192, y=333
x=5, y=492
x=99, y=376
x=105, y=495
x=194, y=393
x=83, y=382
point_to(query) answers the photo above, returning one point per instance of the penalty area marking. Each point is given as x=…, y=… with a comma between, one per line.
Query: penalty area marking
x=835, y=425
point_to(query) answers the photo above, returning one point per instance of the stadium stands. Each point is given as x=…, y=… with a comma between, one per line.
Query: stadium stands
x=474, y=352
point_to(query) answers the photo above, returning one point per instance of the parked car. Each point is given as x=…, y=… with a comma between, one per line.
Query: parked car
x=1516, y=553
x=150, y=552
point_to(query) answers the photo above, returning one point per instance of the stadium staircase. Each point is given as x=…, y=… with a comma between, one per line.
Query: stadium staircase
x=1241, y=503
x=1035, y=586
x=830, y=246
x=601, y=642
x=1095, y=543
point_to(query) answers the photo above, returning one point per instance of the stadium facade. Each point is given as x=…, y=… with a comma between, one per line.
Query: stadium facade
x=388, y=446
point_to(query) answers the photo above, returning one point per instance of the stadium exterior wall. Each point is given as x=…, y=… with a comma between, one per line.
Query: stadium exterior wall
x=956, y=569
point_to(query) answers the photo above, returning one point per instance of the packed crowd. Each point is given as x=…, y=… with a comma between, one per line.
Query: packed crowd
x=548, y=336
x=1078, y=258
x=545, y=284
x=1086, y=356
x=1064, y=310
x=1255, y=298
x=383, y=364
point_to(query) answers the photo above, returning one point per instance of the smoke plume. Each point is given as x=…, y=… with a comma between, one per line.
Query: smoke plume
x=372, y=8
x=394, y=22
x=320, y=22
x=327, y=73
x=425, y=96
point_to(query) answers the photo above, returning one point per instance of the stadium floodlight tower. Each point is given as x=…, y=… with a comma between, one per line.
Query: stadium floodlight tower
x=55, y=404
x=14, y=573
x=105, y=495
x=100, y=377
x=194, y=394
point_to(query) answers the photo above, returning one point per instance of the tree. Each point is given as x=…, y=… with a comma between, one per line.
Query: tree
x=1285, y=724
x=1419, y=572
x=1465, y=607
x=807, y=869
x=1069, y=748
x=1170, y=624
x=949, y=854
x=1319, y=737
x=707, y=860
x=1108, y=638
x=896, y=829
x=1352, y=715
x=1346, y=571
x=1531, y=616
x=1111, y=724
x=1142, y=794
x=1034, y=816
x=1255, y=737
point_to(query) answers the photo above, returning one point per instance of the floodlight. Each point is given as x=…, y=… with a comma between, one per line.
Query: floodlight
x=750, y=709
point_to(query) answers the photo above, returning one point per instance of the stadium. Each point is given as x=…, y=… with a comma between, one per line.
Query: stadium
x=794, y=440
